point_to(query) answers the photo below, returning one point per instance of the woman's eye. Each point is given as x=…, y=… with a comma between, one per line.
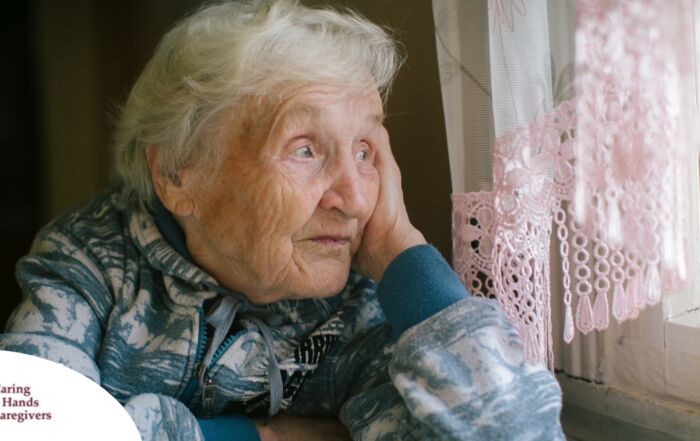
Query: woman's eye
x=303, y=152
x=362, y=155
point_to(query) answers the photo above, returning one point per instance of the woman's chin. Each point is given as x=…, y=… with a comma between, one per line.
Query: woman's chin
x=324, y=282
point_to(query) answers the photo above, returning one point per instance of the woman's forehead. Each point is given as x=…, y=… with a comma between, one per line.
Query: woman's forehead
x=263, y=116
x=314, y=103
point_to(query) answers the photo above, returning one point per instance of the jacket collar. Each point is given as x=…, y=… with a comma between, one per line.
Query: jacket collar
x=170, y=229
x=169, y=256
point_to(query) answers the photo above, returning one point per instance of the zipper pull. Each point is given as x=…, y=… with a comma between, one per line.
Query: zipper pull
x=208, y=398
x=199, y=369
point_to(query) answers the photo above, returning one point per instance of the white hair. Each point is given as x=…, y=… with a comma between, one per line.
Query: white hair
x=209, y=62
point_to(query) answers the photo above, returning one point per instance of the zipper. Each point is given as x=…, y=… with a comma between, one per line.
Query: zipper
x=189, y=390
x=200, y=370
x=209, y=387
x=223, y=347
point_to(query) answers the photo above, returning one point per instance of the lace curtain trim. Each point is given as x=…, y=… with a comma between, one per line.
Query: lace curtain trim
x=502, y=238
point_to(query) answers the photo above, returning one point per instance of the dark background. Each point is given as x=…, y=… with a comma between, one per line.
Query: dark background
x=67, y=65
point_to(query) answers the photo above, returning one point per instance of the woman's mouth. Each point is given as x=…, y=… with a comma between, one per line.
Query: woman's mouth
x=332, y=240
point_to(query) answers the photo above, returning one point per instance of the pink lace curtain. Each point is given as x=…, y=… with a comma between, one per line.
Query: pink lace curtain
x=589, y=107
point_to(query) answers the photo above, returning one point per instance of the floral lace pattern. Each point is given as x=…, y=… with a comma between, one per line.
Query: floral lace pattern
x=502, y=238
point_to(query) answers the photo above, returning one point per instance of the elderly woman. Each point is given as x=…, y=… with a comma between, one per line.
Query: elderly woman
x=231, y=273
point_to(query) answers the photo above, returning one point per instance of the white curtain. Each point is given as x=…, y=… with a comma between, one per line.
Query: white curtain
x=564, y=119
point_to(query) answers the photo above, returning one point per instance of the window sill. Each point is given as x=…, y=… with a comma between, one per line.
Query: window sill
x=594, y=412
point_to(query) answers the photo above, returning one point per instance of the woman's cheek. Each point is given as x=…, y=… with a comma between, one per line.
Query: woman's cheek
x=301, y=196
x=371, y=190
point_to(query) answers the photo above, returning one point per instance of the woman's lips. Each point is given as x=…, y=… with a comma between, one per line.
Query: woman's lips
x=331, y=240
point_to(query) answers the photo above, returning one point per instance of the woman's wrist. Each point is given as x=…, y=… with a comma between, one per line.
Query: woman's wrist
x=393, y=248
x=418, y=284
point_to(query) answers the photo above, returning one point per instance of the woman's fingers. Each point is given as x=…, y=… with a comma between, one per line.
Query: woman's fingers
x=389, y=230
x=291, y=428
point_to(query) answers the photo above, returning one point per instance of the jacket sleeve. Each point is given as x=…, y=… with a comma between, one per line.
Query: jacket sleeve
x=64, y=310
x=457, y=370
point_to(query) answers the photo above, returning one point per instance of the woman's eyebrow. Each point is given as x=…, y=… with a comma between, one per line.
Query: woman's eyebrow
x=299, y=111
x=377, y=118
x=293, y=114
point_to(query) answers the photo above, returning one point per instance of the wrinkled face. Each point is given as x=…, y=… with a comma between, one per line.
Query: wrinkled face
x=285, y=214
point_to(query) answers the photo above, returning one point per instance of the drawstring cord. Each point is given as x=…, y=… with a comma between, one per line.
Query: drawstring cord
x=221, y=317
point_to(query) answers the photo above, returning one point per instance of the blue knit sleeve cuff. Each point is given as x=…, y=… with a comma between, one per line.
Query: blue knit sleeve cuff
x=235, y=427
x=417, y=284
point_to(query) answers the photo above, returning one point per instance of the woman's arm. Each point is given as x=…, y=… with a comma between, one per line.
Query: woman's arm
x=458, y=374
x=64, y=308
x=62, y=317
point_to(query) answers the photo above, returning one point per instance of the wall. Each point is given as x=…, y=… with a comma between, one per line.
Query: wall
x=21, y=180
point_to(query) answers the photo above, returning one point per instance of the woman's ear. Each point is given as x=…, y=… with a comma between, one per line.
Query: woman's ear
x=172, y=191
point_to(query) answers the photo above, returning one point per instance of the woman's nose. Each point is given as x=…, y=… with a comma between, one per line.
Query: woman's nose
x=346, y=191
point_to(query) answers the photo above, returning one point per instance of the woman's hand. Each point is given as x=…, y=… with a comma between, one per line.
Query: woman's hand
x=388, y=231
x=290, y=428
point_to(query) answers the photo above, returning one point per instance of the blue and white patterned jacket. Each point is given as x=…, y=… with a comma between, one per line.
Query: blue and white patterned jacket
x=415, y=358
